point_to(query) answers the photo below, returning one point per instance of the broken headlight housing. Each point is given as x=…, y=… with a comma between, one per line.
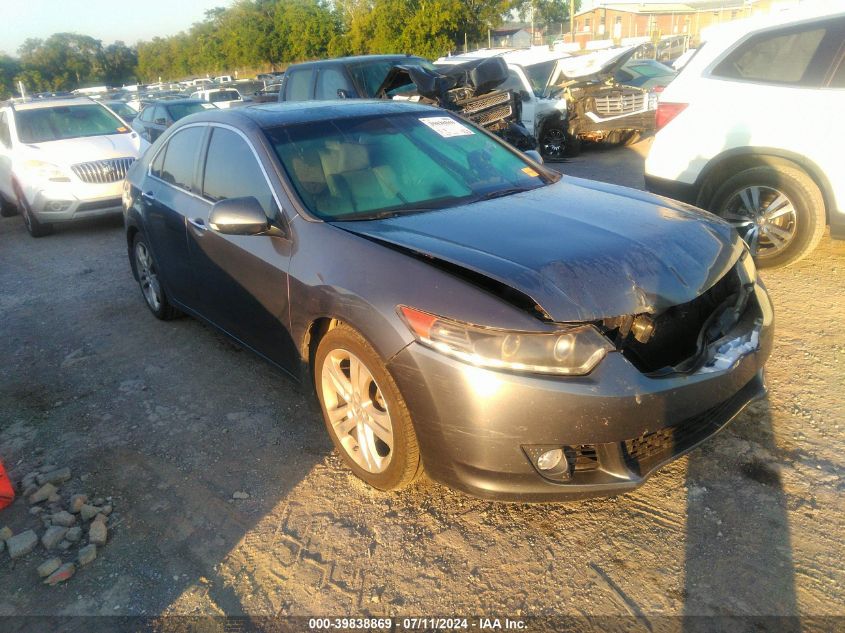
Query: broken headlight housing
x=572, y=351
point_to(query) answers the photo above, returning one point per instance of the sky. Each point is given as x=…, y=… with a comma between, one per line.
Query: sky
x=106, y=20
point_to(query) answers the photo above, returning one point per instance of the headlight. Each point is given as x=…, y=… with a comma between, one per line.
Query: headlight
x=572, y=351
x=42, y=170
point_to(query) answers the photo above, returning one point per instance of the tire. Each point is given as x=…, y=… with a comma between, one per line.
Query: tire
x=778, y=210
x=7, y=209
x=146, y=273
x=33, y=226
x=553, y=143
x=381, y=465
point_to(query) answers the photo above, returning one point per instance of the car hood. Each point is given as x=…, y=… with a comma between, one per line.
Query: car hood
x=581, y=250
x=82, y=150
x=599, y=64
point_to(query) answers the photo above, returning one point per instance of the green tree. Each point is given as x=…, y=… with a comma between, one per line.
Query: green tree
x=9, y=69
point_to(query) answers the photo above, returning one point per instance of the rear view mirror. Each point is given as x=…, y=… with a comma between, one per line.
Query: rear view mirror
x=238, y=216
x=160, y=122
x=342, y=94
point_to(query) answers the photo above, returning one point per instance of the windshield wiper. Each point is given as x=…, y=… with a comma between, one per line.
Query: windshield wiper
x=499, y=193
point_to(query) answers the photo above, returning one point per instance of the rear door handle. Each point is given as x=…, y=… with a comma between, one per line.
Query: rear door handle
x=198, y=223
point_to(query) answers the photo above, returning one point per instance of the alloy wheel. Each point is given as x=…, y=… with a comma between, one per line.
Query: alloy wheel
x=553, y=143
x=147, y=276
x=357, y=410
x=764, y=217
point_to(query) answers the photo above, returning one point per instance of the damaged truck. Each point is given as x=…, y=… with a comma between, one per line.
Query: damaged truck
x=470, y=89
x=569, y=99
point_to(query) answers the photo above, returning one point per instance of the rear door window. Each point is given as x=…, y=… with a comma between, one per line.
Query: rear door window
x=329, y=81
x=232, y=171
x=299, y=85
x=793, y=56
x=180, y=159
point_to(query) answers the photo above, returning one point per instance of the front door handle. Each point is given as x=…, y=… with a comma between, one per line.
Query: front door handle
x=149, y=196
x=198, y=223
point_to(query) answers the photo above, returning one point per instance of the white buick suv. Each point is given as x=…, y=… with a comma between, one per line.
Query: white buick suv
x=753, y=127
x=63, y=160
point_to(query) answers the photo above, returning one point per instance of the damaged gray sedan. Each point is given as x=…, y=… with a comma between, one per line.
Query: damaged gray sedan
x=458, y=309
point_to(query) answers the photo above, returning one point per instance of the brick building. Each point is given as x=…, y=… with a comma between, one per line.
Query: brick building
x=618, y=20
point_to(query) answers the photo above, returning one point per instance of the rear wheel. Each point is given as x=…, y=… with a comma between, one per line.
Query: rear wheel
x=778, y=211
x=148, y=280
x=364, y=412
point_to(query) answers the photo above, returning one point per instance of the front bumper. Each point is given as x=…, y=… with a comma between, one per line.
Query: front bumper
x=477, y=428
x=66, y=204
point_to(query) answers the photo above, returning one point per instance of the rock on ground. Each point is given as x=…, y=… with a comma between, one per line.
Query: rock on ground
x=53, y=536
x=74, y=534
x=49, y=566
x=6, y=533
x=98, y=533
x=54, y=477
x=87, y=554
x=22, y=544
x=61, y=574
x=43, y=493
x=77, y=501
x=63, y=518
x=88, y=512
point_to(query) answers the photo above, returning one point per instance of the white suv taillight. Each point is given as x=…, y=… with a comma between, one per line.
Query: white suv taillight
x=668, y=111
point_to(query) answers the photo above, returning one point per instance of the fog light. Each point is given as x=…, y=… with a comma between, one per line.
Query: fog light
x=549, y=459
x=57, y=205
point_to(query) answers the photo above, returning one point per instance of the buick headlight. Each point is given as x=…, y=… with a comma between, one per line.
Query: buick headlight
x=42, y=170
x=570, y=351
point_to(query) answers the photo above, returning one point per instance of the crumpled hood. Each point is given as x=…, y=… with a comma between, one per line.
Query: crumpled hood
x=81, y=150
x=602, y=63
x=582, y=250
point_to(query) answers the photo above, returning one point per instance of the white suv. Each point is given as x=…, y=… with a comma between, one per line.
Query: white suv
x=63, y=160
x=753, y=128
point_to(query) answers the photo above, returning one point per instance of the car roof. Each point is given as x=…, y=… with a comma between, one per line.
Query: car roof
x=37, y=104
x=272, y=114
x=515, y=56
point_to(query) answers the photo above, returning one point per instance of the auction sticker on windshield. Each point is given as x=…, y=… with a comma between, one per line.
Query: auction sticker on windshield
x=446, y=126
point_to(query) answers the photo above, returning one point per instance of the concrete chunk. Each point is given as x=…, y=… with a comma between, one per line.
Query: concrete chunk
x=87, y=554
x=63, y=518
x=43, y=493
x=98, y=533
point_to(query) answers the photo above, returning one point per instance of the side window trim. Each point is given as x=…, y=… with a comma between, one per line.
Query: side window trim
x=207, y=143
x=163, y=148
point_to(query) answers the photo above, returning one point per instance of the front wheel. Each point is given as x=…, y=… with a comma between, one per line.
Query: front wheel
x=778, y=211
x=553, y=143
x=33, y=226
x=365, y=414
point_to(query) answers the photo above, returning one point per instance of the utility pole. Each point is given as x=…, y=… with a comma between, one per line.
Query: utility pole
x=572, y=19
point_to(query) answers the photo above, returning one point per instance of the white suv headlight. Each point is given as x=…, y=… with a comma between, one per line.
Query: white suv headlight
x=42, y=170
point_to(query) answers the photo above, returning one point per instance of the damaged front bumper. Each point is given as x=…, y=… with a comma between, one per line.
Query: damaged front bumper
x=481, y=431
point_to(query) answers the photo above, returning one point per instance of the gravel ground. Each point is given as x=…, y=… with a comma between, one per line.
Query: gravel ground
x=170, y=419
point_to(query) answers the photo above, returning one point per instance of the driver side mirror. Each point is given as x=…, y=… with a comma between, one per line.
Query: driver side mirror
x=160, y=122
x=240, y=216
x=524, y=95
x=534, y=155
x=342, y=94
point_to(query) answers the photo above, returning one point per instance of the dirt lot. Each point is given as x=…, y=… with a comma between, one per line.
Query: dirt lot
x=170, y=419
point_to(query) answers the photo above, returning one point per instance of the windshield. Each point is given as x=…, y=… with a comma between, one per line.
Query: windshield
x=224, y=95
x=181, y=110
x=40, y=125
x=382, y=165
x=539, y=75
x=371, y=75
x=123, y=111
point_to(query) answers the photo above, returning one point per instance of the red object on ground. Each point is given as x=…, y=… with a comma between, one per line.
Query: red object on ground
x=7, y=491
